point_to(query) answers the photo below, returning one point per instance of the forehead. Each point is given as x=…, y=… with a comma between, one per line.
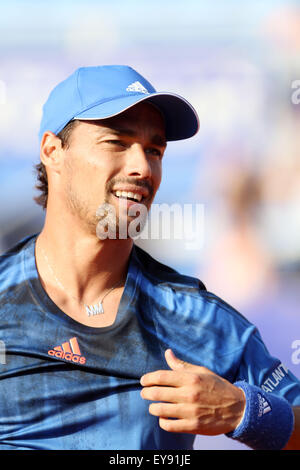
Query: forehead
x=143, y=117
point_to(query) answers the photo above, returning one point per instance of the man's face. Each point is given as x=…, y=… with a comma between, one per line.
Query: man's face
x=108, y=158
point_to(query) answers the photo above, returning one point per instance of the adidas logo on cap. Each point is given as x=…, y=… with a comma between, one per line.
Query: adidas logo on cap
x=69, y=351
x=137, y=86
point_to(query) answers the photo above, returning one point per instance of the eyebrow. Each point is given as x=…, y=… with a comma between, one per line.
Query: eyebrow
x=156, y=139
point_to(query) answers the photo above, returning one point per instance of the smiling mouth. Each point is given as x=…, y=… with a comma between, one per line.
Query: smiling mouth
x=132, y=196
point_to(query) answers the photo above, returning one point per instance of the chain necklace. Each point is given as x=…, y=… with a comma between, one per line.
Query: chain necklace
x=93, y=309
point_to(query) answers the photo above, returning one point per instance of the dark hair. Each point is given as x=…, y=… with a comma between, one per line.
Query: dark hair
x=40, y=169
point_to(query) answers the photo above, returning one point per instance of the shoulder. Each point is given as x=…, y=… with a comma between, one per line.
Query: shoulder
x=199, y=326
x=11, y=265
x=185, y=292
x=160, y=274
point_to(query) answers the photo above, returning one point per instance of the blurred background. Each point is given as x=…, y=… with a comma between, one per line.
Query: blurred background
x=238, y=64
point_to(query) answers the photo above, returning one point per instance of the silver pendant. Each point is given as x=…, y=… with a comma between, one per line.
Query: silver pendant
x=95, y=309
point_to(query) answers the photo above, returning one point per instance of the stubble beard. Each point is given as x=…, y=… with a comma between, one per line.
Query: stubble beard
x=118, y=218
x=89, y=219
x=81, y=211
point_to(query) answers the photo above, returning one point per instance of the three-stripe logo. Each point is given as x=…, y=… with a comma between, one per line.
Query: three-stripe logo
x=263, y=405
x=69, y=350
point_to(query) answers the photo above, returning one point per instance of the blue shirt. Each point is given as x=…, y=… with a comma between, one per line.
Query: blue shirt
x=65, y=385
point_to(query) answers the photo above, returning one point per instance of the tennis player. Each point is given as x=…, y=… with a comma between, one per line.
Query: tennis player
x=106, y=347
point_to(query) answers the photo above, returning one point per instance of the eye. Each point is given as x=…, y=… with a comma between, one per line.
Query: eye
x=155, y=151
x=116, y=142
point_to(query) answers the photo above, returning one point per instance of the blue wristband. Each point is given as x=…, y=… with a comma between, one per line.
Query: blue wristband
x=268, y=420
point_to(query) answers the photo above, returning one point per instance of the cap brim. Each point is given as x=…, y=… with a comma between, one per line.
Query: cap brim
x=181, y=119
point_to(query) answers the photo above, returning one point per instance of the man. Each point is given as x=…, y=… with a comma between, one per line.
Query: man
x=106, y=348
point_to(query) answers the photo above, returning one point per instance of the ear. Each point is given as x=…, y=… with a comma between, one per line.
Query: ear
x=51, y=151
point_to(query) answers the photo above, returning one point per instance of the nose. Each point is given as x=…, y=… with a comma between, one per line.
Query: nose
x=137, y=163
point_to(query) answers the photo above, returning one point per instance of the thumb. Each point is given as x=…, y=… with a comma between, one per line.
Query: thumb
x=173, y=361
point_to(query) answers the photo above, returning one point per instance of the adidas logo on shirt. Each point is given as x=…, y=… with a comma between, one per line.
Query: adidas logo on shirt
x=137, y=86
x=263, y=405
x=69, y=351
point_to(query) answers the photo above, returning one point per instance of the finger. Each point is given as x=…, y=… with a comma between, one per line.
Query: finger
x=185, y=425
x=163, y=377
x=166, y=394
x=171, y=410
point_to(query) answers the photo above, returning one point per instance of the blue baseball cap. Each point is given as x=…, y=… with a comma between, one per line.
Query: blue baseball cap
x=106, y=91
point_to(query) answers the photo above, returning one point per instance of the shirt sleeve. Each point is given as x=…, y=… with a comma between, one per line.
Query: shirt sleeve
x=259, y=367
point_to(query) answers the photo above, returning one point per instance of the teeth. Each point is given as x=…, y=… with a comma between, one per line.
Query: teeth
x=129, y=194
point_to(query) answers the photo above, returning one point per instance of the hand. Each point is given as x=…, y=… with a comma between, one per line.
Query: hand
x=201, y=401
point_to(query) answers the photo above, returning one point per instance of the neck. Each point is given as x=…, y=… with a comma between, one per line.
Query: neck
x=84, y=265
